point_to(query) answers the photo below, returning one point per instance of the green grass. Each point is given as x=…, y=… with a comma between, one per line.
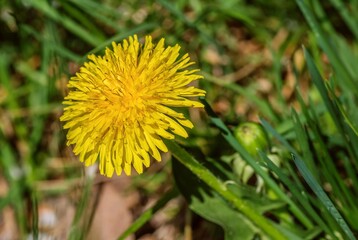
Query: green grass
x=313, y=131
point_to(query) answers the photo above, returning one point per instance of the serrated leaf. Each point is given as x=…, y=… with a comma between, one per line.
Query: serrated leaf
x=208, y=204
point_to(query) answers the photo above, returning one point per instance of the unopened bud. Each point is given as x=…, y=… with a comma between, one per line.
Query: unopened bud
x=252, y=136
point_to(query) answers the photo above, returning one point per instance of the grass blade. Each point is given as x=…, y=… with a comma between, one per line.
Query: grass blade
x=312, y=182
x=67, y=22
x=264, y=107
x=325, y=41
x=347, y=17
x=331, y=105
x=299, y=194
x=77, y=232
x=148, y=214
x=317, y=189
x=251, y=161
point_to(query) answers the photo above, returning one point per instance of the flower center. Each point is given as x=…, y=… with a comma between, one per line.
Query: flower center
x=132, y=107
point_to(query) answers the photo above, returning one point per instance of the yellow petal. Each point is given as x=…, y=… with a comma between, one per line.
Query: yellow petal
x=153, y=149
x=137, y=164
x=120, y=105
x=127, y=168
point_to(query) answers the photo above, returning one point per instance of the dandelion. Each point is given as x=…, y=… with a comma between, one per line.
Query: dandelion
x=120, y=105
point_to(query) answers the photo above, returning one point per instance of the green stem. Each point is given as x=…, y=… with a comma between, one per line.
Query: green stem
x=206, y=176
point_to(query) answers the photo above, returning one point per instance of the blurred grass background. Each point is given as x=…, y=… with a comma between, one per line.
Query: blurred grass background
x=251, y=55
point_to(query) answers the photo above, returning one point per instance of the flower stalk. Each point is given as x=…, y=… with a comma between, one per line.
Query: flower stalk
x=206, y=176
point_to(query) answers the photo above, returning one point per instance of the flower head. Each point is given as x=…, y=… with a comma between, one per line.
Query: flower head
x=119, y=106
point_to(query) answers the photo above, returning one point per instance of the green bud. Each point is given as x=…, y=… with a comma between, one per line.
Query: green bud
x=252, y=136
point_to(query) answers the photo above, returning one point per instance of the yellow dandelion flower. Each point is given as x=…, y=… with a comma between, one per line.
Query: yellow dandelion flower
x=119, y=106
